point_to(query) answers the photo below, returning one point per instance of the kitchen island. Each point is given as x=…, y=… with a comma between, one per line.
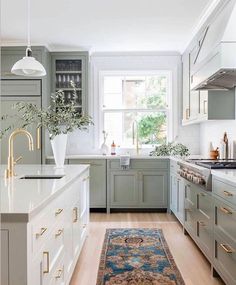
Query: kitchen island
x=44, y=215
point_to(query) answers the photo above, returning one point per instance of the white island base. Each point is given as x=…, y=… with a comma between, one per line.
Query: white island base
x=44, y=224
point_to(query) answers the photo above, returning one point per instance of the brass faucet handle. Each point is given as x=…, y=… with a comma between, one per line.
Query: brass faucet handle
x=18, y=159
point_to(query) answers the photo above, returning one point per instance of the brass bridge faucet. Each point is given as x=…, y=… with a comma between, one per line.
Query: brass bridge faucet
x=11, y=162
x=136, y=137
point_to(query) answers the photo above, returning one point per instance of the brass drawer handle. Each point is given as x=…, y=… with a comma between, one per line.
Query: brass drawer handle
x=58, y=212
x=204, y=107
x=203, y=194
x=228, y=194
x=187, y=113
x=227, y=248
x=58, y=233
x=75, y=211
x=42, y=231
x=46, y=253
x=59, y=273
x=225, y=211
x=86, y=178
x=188, y=210
x=202, y=224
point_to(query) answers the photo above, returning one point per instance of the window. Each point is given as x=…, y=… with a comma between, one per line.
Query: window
x=135, y=102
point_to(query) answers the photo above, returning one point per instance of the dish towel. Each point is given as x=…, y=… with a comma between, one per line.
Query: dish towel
x=125, y=161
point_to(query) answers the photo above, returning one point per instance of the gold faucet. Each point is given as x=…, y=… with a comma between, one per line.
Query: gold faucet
x=136, y=138
x=11, y=162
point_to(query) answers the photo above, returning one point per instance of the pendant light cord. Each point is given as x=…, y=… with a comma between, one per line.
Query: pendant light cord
x=28, y=23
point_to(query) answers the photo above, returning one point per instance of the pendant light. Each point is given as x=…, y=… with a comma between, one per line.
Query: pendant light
x=28, y=65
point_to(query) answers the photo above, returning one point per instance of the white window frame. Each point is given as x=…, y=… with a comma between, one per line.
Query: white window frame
x=168, y=109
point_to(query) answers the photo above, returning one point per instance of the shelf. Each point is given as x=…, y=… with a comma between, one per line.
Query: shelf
x=68, y=89
x=68, y=72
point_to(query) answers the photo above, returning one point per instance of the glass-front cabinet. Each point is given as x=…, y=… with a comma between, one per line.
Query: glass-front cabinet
x=67, y=67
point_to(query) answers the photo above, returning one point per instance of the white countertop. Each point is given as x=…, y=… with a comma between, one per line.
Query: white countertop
x=24, y=198
x=141, y=156
x=227, y=174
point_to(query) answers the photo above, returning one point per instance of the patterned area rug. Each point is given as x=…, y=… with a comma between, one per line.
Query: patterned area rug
x=137, y=257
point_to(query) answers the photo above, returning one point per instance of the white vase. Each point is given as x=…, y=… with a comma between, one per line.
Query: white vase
x=104, y=149
x=59, y=143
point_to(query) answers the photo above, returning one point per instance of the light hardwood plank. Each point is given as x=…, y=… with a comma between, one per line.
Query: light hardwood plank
x=193, y=266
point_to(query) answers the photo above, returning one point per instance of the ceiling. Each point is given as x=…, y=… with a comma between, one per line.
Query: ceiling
x=103, y=25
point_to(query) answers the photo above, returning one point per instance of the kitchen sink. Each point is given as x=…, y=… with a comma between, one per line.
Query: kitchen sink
x=38, y=176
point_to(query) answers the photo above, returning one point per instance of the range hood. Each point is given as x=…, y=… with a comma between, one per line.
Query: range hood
x=214, y=67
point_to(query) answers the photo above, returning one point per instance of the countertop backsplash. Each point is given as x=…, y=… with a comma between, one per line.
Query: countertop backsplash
x=213, y=131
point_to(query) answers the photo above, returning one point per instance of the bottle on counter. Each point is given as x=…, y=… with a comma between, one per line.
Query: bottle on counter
x=226, y=141
x=113, y=148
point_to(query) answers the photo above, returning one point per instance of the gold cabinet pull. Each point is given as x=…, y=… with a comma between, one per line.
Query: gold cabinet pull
x=201, y=223
x=59, y=273
x=188, y=210
x=204, y=107
x=86, y=178
x=203, y=194
x=42, y=231
x=38, y=138
x=75, y=211
x=226, y=211
x=58, y=212
x=46, y=253
x=187, y=115
x=227, y=248
x=228, y=194
x=59, y=232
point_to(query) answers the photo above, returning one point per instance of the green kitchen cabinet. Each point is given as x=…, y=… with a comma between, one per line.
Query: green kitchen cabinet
x=97, y=180
x=123, y=187
x=199, y=217
x=176, y=192
x=71, y=66
x=143, y=185
x=20, y=143
x=173, y=193
x=16, y=88
x=153, y=188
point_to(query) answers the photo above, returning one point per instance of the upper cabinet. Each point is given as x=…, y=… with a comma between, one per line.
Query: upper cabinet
x=206, y=103
x=67, y=67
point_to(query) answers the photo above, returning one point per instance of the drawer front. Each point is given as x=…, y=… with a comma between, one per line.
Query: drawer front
x=224, y=190
x=50, y=219
x=204, y=235
x=225, y=258
x=225, y=219
x=140, y=164
x=174, y=167
x=21, y=87
x=204, y=204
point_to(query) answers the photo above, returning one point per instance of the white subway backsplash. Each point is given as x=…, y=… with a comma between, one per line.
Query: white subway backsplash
x=213, y=131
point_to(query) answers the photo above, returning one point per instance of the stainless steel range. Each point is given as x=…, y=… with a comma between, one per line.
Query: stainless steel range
x=198, y=171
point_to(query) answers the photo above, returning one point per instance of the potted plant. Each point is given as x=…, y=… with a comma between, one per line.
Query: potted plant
x=59, y=119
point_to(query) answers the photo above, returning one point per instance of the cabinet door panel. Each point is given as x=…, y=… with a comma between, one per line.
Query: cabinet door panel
x=190, y=209
x=186, y=86
x=194, y=105
x=97, y=181
x=153, y=190
x=21, y=88
x=21, y=143
x=180, y=199
x=173, y=193
x=4, y=238
x=124, y=190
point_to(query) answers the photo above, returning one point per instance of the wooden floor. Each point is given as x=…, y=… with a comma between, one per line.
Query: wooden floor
x=193, y=266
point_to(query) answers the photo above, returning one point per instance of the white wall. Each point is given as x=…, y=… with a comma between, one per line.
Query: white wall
x=213, y=131
x=88, y=142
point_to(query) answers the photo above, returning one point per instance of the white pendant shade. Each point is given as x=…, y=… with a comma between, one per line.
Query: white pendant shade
x=28, y=66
